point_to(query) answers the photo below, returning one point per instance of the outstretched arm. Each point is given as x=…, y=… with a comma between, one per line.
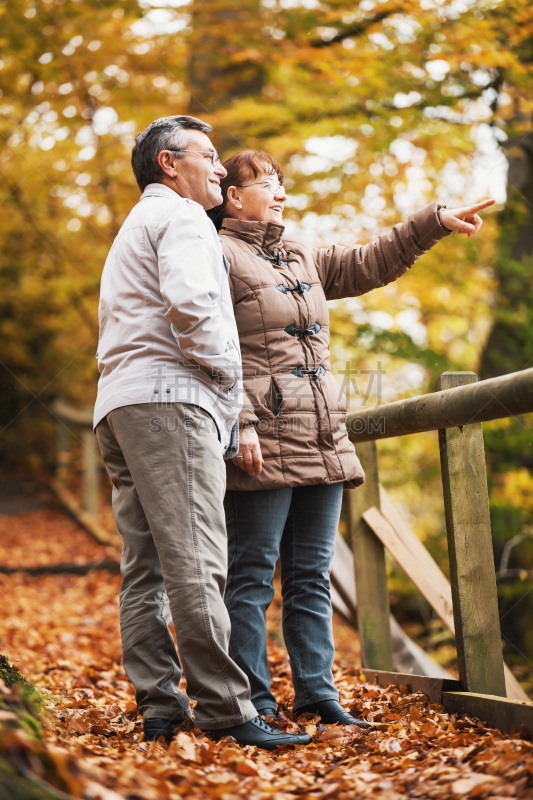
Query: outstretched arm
x=352, y=271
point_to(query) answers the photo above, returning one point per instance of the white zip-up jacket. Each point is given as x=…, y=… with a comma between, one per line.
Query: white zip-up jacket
x=167, y=329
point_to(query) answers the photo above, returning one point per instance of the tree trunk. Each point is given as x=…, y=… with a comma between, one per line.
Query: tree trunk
x=509, y=347
x=226, y=52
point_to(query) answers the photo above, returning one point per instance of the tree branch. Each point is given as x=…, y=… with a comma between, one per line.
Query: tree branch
x=352, y=30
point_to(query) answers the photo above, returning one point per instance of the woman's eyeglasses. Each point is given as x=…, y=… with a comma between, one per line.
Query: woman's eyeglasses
x=272, y=186
x=212, y=155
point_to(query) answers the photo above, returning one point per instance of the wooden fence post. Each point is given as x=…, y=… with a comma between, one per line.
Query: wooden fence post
x=369, y=564
x=472, y=573
x=91, y=457
x=62, y=453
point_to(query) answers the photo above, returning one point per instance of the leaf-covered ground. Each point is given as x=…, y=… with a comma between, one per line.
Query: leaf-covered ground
x=61, y=631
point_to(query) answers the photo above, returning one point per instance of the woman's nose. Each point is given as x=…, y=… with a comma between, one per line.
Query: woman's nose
x=281, y=194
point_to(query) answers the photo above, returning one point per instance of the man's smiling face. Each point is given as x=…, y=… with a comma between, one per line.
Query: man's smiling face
x=195, y=175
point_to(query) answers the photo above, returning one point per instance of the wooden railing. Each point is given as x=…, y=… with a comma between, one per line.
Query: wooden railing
x=456, y=410
x=75, y=423
x=467, y=604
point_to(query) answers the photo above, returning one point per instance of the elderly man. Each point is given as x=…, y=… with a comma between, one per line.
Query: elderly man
x=165, y=417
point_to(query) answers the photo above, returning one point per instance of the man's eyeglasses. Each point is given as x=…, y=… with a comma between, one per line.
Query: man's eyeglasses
x=272, y=186
x=212, y=155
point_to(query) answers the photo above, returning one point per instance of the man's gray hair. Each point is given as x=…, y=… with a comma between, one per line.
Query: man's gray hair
x=165, y=133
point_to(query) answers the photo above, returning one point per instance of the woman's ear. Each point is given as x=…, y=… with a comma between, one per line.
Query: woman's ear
x=234, y=200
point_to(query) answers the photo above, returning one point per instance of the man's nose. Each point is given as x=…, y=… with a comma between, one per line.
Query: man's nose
x=219, y=170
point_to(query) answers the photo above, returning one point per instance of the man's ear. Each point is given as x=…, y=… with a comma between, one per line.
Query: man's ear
x=167, y=162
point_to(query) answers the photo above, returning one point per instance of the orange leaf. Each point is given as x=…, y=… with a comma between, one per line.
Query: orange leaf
x=79, y=725
x=247, y=767
x=184, y=747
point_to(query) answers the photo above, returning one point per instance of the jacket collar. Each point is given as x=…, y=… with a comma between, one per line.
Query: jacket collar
x=160, y=190
x=264, y=235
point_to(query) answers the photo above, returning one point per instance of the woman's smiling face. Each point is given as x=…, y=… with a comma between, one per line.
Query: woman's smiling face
x=256, y=202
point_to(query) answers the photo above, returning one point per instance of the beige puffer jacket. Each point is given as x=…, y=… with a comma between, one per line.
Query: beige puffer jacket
x=280, y=287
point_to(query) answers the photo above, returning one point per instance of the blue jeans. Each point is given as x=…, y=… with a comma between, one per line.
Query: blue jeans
x=300, y=524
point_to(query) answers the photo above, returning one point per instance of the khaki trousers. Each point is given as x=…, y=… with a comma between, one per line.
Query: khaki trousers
x=169, y=481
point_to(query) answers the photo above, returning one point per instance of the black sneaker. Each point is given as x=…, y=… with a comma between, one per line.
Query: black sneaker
x=154, y=728
x=268, y=712
x=331, y=712
x=259, y=733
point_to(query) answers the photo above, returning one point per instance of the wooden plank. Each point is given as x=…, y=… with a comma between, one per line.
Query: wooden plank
x=91, y=459
x=76, y=416
x=343, y=576
x=496, y=398
x=416, y=561
x=62, y=451
x=512, y=688
x=369, y=565
x=87, y=521
x=407, y=655
x=432, y=687
x=405, y=546
x=473, y=577
x=498, y=712
x=340, y=607
x=65, y=568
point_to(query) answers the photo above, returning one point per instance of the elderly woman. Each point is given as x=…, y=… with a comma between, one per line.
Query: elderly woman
x=284, y=488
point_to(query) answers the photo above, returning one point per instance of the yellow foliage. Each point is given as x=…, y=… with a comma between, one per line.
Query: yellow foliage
x=345, y=97
x=516, y=488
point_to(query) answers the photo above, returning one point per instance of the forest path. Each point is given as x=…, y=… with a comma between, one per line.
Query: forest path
x=62, y=632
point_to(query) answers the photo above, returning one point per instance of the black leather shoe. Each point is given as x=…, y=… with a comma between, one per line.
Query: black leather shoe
x=330, y=712
x=268, y=712
x=259, y=733
x=154, y=728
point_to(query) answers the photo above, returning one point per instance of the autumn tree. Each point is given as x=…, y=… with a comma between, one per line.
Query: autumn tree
x=372, y=109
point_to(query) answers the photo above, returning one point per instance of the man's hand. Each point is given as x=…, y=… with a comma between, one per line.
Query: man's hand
x=464, y=220
x=249, y=458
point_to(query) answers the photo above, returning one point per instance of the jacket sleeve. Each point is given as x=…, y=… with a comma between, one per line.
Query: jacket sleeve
x=190, y=280
x=247, y=415
x=351, y=271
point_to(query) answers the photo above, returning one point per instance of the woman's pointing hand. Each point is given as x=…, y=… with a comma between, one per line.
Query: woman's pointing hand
x=464, y=220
